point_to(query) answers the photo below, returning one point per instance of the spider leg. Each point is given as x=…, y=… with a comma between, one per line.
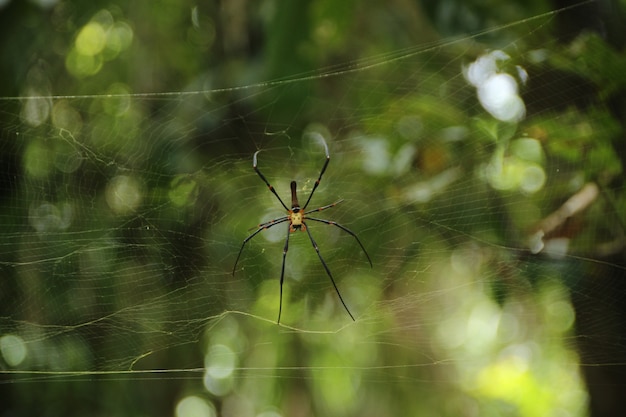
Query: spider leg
x=321, y=173
x=270, y=223
x=282, y=274
x=345, y=229
x=327, y=270
x=262, y=227
x=324, y=207
x=254, y=165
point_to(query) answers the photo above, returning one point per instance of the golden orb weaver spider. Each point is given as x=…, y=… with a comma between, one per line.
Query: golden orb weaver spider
x=296, y=217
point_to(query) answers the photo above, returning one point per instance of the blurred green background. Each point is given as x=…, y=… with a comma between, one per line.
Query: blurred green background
x=499, y=266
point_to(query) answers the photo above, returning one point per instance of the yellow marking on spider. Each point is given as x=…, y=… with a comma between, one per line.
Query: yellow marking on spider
x=296, y=220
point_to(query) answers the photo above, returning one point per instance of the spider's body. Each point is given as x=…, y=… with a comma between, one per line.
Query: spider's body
x=296, y=217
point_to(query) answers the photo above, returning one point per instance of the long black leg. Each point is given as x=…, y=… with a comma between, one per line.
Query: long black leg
x=270, y=223
x=262, y=227
x=324, y=207
x=321, y=173
x=254, y=163
x=327, y=271
x=282, y=274
x=345, y=229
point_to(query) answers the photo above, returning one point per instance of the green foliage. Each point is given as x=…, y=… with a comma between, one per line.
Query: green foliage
x=129, y=188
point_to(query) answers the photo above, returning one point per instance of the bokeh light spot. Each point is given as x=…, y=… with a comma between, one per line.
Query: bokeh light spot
x=533, y=179
x=220, y=362
x=118, y=38
x=36, y=161
x=65, y=117
x=13, y=349
x=81, y=65
x=124, y=194
x=35, y=110
x=91, y=39
x=194, y=406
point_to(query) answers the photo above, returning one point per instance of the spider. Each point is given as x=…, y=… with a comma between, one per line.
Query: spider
x=297, y=217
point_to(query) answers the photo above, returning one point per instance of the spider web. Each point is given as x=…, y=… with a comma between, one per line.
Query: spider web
x=123, y=214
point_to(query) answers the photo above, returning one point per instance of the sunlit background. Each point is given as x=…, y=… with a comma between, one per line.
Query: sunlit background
x=476, y=151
